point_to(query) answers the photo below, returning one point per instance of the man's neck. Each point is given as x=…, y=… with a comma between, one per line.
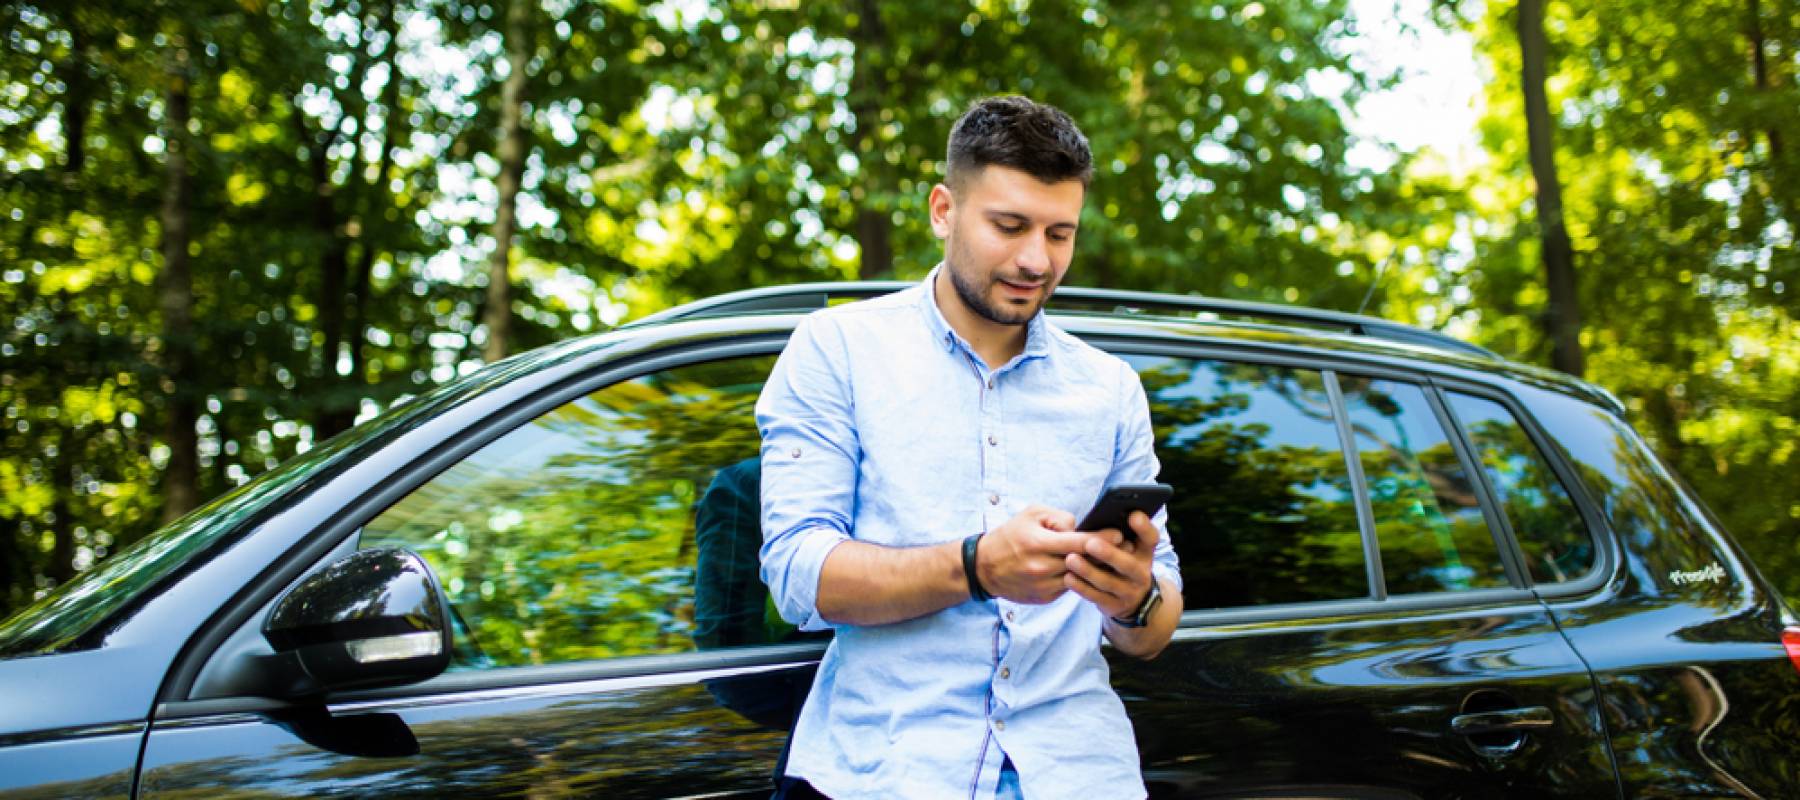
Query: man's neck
x=995, y=343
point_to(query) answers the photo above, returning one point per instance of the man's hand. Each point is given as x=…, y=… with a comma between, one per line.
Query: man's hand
x=1112, y=573
x=1024, y=560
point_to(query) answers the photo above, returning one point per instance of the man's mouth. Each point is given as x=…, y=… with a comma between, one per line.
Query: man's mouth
x=1021, y=288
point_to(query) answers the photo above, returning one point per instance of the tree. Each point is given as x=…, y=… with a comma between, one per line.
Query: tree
x=1562, y=322
x=497, y=314
x=1680, y=212
x=175, y=290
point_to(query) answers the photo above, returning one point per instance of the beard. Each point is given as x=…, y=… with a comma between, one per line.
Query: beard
x=976, y=298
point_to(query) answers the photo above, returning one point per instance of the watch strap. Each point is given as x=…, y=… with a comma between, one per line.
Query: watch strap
x=977, y=592
x=1140, y=616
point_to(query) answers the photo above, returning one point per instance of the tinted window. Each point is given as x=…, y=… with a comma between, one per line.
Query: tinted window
x=1636, y=497
x=1263, y=511
x=623, y=523
x=73, y=610
x=1427, y=517
x=1556, y=542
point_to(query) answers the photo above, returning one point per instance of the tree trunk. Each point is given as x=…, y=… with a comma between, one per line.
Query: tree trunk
x=1562, y=322
x=1759, y=61
x=334, y=415
x=77, y=96
x=338, y=401
x=376, y=200
x=16, y=583
x=175, y=295
x=497, y=311
x=62, y=554
x=874, y=226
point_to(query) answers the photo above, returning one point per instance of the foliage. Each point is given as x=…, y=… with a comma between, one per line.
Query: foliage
x=342, y=164
x=1679, y=182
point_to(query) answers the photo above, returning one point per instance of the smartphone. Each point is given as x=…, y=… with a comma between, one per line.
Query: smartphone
x=1115, y=506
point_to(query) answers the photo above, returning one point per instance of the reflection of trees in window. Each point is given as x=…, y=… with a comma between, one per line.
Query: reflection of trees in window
x=1427, y=518
x=1639, y=502
x=571, y=537
x=1262, y=512
x=1556, y=542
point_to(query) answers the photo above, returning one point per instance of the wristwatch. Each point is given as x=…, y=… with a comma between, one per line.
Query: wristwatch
x=1141, y=616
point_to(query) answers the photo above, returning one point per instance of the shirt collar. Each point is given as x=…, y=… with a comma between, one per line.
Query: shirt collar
x=1037, y=335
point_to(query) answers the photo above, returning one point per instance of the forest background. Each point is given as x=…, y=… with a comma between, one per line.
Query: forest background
x=230, y=229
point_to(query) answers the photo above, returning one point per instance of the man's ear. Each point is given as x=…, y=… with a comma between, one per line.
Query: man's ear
x=942, y=202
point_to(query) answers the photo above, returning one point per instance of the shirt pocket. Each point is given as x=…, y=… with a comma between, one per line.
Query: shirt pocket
x=918, y=478
x=1069, y=465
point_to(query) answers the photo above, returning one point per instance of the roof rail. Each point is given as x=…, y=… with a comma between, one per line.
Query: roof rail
x=810, y=296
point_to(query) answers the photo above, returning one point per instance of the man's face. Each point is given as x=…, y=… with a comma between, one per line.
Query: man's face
x=1008, y=238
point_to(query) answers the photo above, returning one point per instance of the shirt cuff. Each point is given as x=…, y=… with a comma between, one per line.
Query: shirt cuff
x=798, y=589
x=1161, y=570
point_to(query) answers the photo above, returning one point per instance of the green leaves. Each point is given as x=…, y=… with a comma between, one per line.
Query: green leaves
x=343, y=161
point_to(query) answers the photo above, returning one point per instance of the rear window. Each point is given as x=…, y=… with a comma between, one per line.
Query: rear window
x=1557, y=545
x=1637, y=498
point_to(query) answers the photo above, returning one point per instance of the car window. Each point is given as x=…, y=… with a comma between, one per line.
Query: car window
x=71, y=616
x=1636, y=496
x=1263, y=511
x=623, y=523
x=1556, y=543
x=1428, y=519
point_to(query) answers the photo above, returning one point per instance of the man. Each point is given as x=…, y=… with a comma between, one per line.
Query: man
x=909, y=438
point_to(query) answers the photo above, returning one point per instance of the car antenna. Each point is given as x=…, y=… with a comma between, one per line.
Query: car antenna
x=1374, y=282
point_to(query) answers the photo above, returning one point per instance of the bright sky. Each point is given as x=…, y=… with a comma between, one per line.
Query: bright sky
x=1437, y=102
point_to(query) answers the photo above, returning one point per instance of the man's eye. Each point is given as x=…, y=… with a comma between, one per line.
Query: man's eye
x=1060, y=237
x=1010, y=230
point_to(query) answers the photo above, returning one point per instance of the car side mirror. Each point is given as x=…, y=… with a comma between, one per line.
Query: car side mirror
x=373, y=618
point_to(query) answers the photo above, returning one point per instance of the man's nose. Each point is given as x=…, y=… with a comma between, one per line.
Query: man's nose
x=1034, y=256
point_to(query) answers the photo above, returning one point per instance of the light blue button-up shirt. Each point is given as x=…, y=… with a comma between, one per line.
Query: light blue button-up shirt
x=881, y=424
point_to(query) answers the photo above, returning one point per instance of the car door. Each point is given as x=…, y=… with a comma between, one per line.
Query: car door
x=611, y=634
x=1355, y=627
x=1685, y=640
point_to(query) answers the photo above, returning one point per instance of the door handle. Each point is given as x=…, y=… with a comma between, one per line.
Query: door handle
x=1509, y=720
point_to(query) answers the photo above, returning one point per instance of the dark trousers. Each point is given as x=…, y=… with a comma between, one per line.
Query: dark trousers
x=796, y=789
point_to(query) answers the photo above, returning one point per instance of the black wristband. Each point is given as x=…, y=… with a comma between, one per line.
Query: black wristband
x=976, y=593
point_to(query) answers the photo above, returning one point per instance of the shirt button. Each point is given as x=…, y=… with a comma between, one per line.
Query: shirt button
x=796, y=452
x=990, y=383
x=1005, y=672
x=999, y=724
x=993, y=440
x=993, y=499
x=1009, y=616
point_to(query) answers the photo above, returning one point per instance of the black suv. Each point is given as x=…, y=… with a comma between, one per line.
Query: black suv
x=1413, y=569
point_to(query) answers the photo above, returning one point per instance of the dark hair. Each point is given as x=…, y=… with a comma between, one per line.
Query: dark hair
x=1012, y=131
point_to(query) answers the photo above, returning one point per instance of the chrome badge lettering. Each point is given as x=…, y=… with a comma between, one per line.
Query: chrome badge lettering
x=1713, y=573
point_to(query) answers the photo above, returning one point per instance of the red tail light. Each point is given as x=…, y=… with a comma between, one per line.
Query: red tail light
x=1790, y=638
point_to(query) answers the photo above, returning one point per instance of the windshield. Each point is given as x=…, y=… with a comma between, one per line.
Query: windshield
x=57, y=620
x=61, y=618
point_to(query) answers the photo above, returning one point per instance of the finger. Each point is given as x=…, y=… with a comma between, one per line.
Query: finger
x=1087, y=590
x=1057, y=519
x=1111, y=554
x=1102, y=579
x=1109, y=534
x=1147, y=533
x=1060, y=543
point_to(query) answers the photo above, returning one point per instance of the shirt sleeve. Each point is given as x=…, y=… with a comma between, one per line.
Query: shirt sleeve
x=1134, y=461
x=809, y=457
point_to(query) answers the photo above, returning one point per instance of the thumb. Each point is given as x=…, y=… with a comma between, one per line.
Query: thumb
x=1146, y=530
x=1057, y=520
